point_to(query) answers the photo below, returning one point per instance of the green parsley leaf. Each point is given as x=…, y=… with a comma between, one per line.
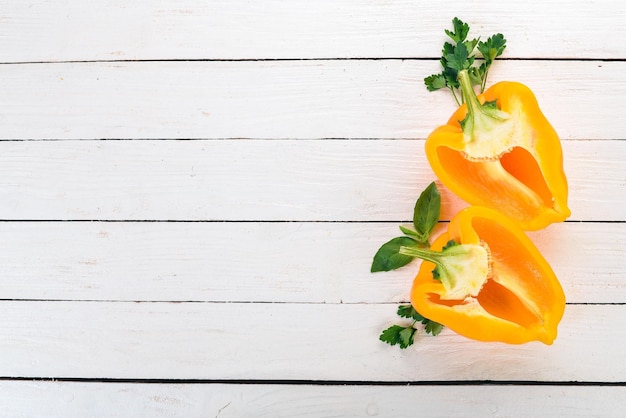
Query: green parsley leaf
x=493, y=47
x=470, y=45
x=448, y=48
x=477, y=74
x=458, y=59
x=426, y=212
x=388, y=257
x=452, y=78
x=391, y=335
x=460, y=30
x=408, y=311
x=407, y=336
x=459, y=55
x=490, y=49
x=435, y=82
x=397, y=334
x=433, y=328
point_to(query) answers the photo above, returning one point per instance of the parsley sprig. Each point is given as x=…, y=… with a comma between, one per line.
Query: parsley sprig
x=389, y=257
x=405, y=335
x=460, y=55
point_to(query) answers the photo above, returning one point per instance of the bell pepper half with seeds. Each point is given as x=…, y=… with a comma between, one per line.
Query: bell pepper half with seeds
x=482, y=278
x=490, y=283
x=497, y=149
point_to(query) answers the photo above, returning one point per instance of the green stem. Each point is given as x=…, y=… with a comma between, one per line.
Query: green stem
x=434, y=257
x=462, y=268
x=484, y=80
x=458, y=102
x=469, y=95
x=481, y=118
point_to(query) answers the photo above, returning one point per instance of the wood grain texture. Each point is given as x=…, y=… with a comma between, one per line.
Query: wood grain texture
x=74, y=400
x=284, y=341
x=224, y=29
x=276, y=145
x=240, y=180
x=261, y=262
x=284, y=99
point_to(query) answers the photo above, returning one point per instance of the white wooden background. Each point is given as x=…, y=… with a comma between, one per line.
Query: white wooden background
x=191, y=193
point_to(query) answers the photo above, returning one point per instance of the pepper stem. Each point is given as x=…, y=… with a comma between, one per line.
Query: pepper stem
x=469, y=95
x=463, y=268
x=480, y=117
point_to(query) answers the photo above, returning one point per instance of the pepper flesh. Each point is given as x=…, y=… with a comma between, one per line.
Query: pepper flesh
x=521, y=300
x=508, y=158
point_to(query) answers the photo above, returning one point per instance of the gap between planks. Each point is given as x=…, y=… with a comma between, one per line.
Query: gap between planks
x=301, y=382
x=287, y=59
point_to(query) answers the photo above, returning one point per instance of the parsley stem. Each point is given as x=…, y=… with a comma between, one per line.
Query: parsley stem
x=458, y=102
x=484, y=80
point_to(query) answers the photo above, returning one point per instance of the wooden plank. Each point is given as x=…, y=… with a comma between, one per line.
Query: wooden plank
x=74, y=399
x=332, y=180
x=282, y=341
x=261, y=262
x=195, y=29
x=283, y=99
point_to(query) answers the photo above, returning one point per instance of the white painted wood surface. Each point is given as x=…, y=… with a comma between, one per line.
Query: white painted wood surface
x=191, y=193
x=241, y=29
x=288, y=341
x=209, y=400
x=76, y=400
x=299, y=262
x=282, y=99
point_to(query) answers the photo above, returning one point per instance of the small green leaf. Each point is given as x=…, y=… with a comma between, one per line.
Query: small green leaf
x=460, y=30
x=461, y=55
x=448, y=48
x=410, y=232
x=397, y=334
x=452, y=77
x=477, y=74
x=407, y=336
x=433, y=328
x=408, y=311
x=427, y=211
x=470, y=45
x=388, y=257
x=458, y=59
x=492, y=48
x=391, y=335
x=435, y=82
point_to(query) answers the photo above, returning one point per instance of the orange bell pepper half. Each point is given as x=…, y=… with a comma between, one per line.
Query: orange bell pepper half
x=505, y=155
x=495, y=287
x=498, y=149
